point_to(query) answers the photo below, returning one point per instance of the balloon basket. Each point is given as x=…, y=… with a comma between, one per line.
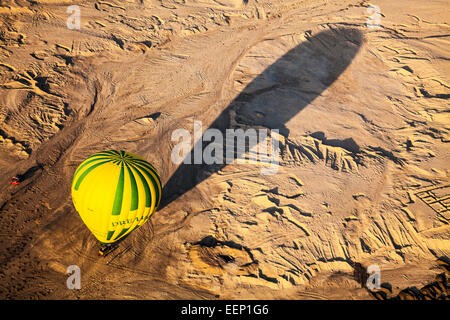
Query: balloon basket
x=106, y=249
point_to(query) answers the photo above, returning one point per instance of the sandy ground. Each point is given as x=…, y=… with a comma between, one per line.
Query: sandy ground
x=363, y=117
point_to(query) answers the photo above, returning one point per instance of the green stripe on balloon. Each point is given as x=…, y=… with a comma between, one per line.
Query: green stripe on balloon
x=85, y=173
x=148, y=195
x=110, y=234
x=115, y=152
x=117, y=206
x=85, y=163
x=121, y=233
x=134, y=190
x=149, y=166
x=152, y=179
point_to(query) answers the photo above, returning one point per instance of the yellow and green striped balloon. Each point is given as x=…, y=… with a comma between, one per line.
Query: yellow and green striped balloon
x=115, y=192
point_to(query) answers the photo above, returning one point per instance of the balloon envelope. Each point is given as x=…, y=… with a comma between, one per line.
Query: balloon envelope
x=115, y=192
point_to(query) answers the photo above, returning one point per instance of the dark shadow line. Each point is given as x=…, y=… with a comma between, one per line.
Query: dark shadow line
x=275, y=96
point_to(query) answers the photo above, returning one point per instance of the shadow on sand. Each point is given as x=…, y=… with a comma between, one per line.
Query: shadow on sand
x=275, y=96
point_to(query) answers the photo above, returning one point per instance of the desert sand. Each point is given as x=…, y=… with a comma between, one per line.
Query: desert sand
x=358, y=92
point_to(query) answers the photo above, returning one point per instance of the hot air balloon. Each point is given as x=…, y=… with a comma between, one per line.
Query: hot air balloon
x=115, y=192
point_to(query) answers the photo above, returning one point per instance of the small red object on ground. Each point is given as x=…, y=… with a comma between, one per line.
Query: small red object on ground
x=14, y=181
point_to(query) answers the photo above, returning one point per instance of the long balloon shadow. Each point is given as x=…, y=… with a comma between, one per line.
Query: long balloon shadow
x=275, y=96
